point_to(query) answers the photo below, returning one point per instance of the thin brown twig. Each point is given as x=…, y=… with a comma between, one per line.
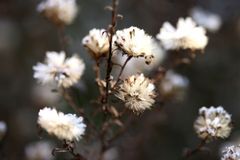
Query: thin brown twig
x=190, y=153
x=70, y=101
x=121, y=71
x=76, y=108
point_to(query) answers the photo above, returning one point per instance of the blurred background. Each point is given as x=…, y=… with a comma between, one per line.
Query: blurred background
x=214, y=78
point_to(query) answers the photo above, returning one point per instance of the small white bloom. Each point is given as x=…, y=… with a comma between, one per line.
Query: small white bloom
x=231, y=153
x=137, y=92
x=41, y=150
x=210, y=21
x=234, y=141
x=186, y=36
x=63, y=126
x=97, y=42
x=59, y=11
x=136, y=43
x=65, y=71
x=213, y=123
x=3, y=129
x=173, y=85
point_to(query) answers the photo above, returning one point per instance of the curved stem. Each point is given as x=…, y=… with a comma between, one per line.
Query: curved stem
x=190, y=153
x=71, y=102
x=76, y=108
x=121, y=71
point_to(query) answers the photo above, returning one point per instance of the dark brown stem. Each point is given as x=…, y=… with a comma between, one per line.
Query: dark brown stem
x=190, y=153
x=109, y=61
x=111, y=31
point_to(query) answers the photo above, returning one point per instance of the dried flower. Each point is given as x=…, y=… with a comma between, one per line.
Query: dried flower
x=59, y=11
x=137, y=92
x=231, y=153
x=41, y=150
x=63, y=126
x=213, y=123
x=65, y=71
x=211, y=21
x=186, y=36
x=136, y=43
x=97, y=43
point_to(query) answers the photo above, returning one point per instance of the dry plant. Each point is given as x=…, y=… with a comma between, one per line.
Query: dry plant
x=135, y=93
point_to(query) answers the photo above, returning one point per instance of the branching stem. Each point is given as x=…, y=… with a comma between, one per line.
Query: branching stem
x=109, y=61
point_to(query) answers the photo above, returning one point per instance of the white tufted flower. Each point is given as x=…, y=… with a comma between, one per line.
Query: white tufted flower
x=231, y=153
x=41, y=150
x=65, y=71
x=97, y=43
x=186, y=36
x=211, y=21
x=59, y=11
x=64, y=126
x=136, y=43
x=213, y=123
x=137, y=92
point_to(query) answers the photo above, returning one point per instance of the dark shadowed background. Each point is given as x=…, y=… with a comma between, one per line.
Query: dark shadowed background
x=214, y=77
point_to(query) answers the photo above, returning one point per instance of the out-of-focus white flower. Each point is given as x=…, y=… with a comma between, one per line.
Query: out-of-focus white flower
x=137, y=92
x=97, y=43
x=64, y=126
x=186, y=36
x=3, y=129
x=208, y=20
x=111, y=154
x=231, y=153
x=41, y=150
x=213, y=123
x=137, y=65
x=173, y=85
x=136, y=43
x=65, y=71
x=59, y=11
